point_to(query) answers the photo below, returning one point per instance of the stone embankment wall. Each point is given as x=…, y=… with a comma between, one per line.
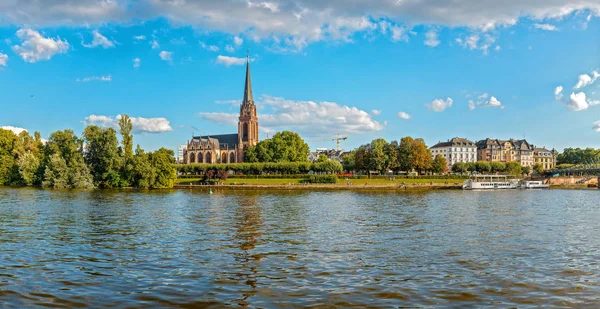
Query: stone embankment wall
x=573, y=180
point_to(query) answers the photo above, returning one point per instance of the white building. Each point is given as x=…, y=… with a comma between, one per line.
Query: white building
x=455, y=150
x=180, y=153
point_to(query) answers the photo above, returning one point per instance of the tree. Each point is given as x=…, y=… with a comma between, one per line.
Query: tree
x=526, y=170
x=377, y=157
x=514, y=168
x=439, y=164
x=391, y=151
x=349, y=161
x=143, y=175
x=322, y=158
x=29, y=165
x=8, y=141
x=285, y=146
x=471, y=167
x=65, y=147
x=459, y=167
x=483, y=166
x=497, y=167
x=125, y=128
x=102, y=156
x=405, y=154
x=162, y=162
x=538, y=169
x=361, y=158
x=56, y=174
x=421, y=157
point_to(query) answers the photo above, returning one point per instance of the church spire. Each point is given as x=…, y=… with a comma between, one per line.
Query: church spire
x=248, y=87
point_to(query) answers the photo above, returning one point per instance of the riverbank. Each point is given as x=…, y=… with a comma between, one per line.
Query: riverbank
x=343, y=184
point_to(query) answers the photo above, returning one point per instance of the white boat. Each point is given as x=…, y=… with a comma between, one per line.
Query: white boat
x=490, y=182
x=534, y=184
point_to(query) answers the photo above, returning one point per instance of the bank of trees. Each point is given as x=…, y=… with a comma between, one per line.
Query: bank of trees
x=573, y=156
x=273, y=168
x=407, y=155
x=96, y=159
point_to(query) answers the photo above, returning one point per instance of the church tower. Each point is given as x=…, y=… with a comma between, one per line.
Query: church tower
x=248, y=122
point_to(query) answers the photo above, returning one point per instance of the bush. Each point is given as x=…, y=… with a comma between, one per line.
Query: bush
x=322, y=179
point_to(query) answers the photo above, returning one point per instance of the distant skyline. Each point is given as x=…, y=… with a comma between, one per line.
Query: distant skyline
x=474, y=69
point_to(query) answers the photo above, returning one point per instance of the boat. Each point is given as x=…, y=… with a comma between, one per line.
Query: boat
x=534, y=184
x=490, y=182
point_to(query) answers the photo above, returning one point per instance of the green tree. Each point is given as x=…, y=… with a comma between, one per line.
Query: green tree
x=538, y=169
x=8, y=142
x=102, y=156
x=377, y=156
x=56, y=174
x=405, y=154
x=162, y=162
x=514, y=168
x=459, y=167
x=143, y=174
x=65, y=145
x=471, y=166
x=285, y=146
x=497, y=167
x=483, y=166
x=29, y=165
x=322, y=158
x=349, y=161
x=526, y=170
x=125, y=128
x=439, y=164
x=391, y=151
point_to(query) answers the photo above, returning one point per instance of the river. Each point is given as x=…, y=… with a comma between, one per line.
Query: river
x=279, y=249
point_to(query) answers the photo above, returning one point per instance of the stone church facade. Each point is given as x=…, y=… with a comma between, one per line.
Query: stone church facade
x=227, y=148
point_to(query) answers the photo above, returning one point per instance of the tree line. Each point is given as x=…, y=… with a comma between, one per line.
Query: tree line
x=285, y=168
x=575, y=156
x=96, y=159
x=484, y=167
x=407, y=155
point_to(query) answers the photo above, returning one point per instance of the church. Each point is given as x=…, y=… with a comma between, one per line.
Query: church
x=227, y=148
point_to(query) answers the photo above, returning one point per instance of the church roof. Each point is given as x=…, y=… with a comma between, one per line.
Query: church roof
x=248, y=86
x=228, y=139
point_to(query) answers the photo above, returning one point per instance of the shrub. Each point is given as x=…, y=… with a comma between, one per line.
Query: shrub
x=322, y=179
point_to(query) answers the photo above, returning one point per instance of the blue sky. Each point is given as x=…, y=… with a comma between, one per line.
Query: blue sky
x=475, y=69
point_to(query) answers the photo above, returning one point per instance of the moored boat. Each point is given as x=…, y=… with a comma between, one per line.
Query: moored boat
x=490, y=182
x=534, y=184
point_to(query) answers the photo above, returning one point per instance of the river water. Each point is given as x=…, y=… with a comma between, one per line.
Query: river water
x=279, y=249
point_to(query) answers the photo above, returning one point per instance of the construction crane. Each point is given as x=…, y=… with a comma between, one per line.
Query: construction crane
x=337, y=139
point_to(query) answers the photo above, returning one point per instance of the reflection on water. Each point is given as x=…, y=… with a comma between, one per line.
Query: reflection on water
x=189, y=249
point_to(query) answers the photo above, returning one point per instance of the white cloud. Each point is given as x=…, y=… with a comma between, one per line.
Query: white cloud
x=431, y=38
x=483, y=96
x=229, y=102
x=229, y=48
x=3, y=59
x=596, y=126
x=307, y=117
x=212, y=48
x=439, y=105
x=376, y=112
x=238, y=41
x=166, y=56
x=399, y=34
x=106, y=78
x=140, y=124
x=229, y=61
x=586, y=80
x=403, y=115
x=293, y=20
x=15, y=130
x=35, y=47
x=154, y=44
x=137, y=62
x=492, y=102
x=577, y=101
x=99, y=40
x=547, y=27
x=476, y=42
x=558, y=92
x=139, y=37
